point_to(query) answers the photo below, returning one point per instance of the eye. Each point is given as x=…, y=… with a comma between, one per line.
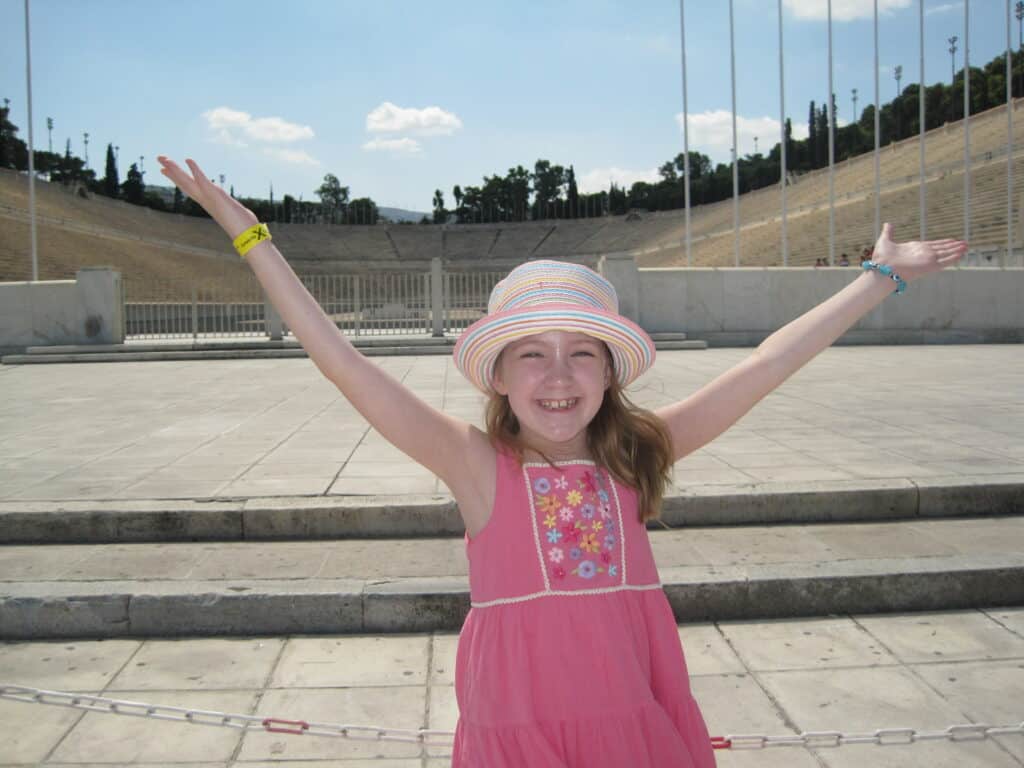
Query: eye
x=583, y=353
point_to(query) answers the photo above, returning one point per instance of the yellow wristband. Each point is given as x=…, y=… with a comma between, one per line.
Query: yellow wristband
x=248, y=240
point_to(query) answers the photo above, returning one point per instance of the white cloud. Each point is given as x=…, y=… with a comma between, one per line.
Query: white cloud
x=429, y=121
x=944, y=8
x=711, y=133
x=291, y=156
x=405, y=145
x=230, y=126
x=842, y=10
x=599, y=179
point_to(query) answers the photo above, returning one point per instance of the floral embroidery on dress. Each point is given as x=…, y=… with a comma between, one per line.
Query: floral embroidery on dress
x=576, y=525
x=547, y=504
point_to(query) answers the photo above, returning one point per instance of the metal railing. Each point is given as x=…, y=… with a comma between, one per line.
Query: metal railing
x=370, y=304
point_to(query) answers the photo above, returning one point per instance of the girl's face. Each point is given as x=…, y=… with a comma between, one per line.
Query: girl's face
x=555, y=383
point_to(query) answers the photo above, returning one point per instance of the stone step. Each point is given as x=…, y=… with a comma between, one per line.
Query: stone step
x=667, y=336
x=410, y=516
x=666, y=345
x=379, y=586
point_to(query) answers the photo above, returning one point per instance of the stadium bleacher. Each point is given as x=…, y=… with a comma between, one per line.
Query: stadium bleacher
x=76, y=231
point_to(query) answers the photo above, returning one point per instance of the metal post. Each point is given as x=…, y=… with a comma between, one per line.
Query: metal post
x=357, y=305
x=1009, y=142
x=967, y=122
x=735, y=149
x=436, y=298
x=952, y=78
x=782, y=153
x=920, y=117
x=686, y=135
x=31, y=151
x=878, y=126
x=897, y=72
x=831, y=151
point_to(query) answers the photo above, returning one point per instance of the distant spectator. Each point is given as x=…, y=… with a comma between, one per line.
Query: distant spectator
x=844, y=261
x=819, y=263
x=868, y=252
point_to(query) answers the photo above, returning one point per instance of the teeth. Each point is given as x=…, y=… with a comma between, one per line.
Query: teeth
x=557, y=405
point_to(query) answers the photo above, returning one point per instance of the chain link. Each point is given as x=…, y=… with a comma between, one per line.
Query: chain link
x=883, y=737
x=810, y=739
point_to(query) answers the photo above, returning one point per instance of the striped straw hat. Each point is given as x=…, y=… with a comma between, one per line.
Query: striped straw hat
x=541, y=296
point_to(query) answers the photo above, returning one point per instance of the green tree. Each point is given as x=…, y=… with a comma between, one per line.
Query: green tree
x=133, y=189
x=548, y=181
x=517, y=192
x=440, y=213
x=363, y=210
x=812, y=138
x=573, y=194
x=111, y=182
x=332, y=195
x=8, y=139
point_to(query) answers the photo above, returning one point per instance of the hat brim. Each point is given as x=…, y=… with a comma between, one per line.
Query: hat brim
x=478, y=347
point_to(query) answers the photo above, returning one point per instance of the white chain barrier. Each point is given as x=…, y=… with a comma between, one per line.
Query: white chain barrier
x=812, y=739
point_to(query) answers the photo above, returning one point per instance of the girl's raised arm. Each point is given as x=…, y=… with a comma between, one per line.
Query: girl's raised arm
x=703, y=416
x=403, y=419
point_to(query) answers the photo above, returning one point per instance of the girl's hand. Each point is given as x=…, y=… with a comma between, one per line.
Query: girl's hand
x=233, y=217
x=916, y=259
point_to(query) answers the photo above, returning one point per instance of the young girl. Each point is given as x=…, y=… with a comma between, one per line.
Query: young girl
x=570, y=655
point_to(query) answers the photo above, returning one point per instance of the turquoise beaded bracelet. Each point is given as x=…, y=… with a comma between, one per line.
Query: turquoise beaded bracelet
x=885, y=269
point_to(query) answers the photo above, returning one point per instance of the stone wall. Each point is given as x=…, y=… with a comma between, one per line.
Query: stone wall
x=742, y=306
x=86, y=310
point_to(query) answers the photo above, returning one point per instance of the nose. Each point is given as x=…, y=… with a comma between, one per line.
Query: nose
x=559, y=369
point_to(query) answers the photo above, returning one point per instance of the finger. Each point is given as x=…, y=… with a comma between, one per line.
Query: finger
x=950, y=251
x=949, y=245
x=179, y=176
x=947, y=260
x=887, y=231
x=197, y=172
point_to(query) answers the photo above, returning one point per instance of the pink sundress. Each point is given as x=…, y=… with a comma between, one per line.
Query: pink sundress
x=570, y=655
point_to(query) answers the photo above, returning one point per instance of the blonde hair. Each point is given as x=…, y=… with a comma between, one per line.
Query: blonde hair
x=630, y=442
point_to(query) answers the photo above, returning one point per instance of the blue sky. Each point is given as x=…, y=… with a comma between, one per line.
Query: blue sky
x=398, y=98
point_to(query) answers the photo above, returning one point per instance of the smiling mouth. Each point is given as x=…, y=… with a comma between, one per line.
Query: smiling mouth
x=557, y=405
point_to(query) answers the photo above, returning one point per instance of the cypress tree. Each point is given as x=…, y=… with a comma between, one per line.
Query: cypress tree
x=573, y=194
x=812, y=136
x=111, y=182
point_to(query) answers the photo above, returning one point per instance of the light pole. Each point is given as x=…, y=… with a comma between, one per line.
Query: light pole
x=49, y=133
x=898, y=74
x=116, y=158
x=142, y=172
x=85, y=140
x=755, y=145
x=854, y=94
x=952, y=78
x=1018, y=11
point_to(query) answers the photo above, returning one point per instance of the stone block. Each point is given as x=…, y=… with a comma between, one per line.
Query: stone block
x=247, y=608
x=415, y=605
